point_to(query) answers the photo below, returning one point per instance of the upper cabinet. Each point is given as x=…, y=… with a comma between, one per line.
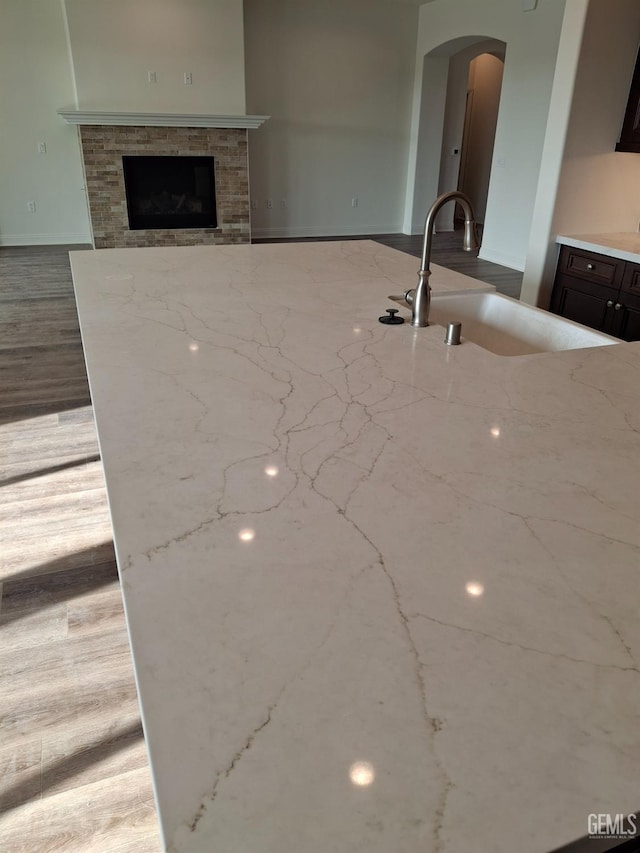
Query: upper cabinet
x=630, y=136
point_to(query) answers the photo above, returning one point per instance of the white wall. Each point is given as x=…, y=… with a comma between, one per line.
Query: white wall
x=336, y=74
x=426, y=179
x=485, y=82
x=115, y=43
x=532, y=43
x=336, y=78
x=598, y=189
x=36, y=81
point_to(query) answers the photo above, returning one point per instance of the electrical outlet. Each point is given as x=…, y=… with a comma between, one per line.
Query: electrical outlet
x=151, y=77
x=188, y=78
x=270, y=203
x=31, y=206
x=42, y=147
x=354, y=201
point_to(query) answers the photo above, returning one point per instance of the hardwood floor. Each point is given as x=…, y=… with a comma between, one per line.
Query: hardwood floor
x=74, y=776
x=447, y=251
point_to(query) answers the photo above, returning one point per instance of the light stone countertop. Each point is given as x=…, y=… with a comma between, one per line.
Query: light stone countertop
x=623, y=244
x=382, y=593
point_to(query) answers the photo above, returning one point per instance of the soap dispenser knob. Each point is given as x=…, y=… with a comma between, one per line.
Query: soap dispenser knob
x=391, y=319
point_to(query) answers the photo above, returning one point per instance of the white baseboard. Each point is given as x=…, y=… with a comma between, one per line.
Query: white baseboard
x=514, y=262
x=44, y=239
x=294, y=231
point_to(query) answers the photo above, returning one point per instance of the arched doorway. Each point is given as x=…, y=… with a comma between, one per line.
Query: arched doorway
x=479, y=129
x=472, y=64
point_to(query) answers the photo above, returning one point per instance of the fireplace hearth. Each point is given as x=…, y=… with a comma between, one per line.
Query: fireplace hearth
x=170, y=192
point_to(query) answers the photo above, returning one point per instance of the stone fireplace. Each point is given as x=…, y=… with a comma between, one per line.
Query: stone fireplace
x=107, y=139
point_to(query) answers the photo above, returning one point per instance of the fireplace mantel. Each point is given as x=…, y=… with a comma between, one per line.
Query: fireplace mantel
x=99, y=117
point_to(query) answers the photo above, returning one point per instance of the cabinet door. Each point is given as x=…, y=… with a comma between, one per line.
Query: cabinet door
x=626, y=318
x=583, y=301
x=631, y=280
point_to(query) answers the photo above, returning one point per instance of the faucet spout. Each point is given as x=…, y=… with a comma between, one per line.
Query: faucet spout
x=420, y=298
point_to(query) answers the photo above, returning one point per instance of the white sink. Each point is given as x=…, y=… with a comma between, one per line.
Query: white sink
x=508, y=327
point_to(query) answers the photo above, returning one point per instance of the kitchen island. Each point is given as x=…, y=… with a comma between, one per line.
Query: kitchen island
x=381, y=592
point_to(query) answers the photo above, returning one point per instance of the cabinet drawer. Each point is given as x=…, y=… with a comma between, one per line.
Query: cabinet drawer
x=590, y=267
x=631, y=279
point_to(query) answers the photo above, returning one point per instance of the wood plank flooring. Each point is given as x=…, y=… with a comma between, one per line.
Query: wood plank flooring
x=447, y=251
x=74, y=776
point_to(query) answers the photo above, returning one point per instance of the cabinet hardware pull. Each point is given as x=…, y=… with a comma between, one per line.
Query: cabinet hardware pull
x=610, y=303
x=591, y=266
x=617, y=306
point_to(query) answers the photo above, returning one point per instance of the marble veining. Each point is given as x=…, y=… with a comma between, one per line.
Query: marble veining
x=379, y=590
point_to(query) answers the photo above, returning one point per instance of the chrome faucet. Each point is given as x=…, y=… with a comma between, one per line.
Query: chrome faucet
x=419, y=298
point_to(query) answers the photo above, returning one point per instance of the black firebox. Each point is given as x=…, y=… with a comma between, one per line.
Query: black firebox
x=170, y=192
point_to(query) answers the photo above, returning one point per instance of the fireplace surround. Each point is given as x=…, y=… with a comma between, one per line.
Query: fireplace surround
x=108, y=137
x=103, y=149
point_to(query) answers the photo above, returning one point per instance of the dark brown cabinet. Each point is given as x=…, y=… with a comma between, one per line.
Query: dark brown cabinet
x=630, y=135
x=598, y=291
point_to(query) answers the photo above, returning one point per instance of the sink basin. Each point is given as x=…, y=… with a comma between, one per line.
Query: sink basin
x=508, y=327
